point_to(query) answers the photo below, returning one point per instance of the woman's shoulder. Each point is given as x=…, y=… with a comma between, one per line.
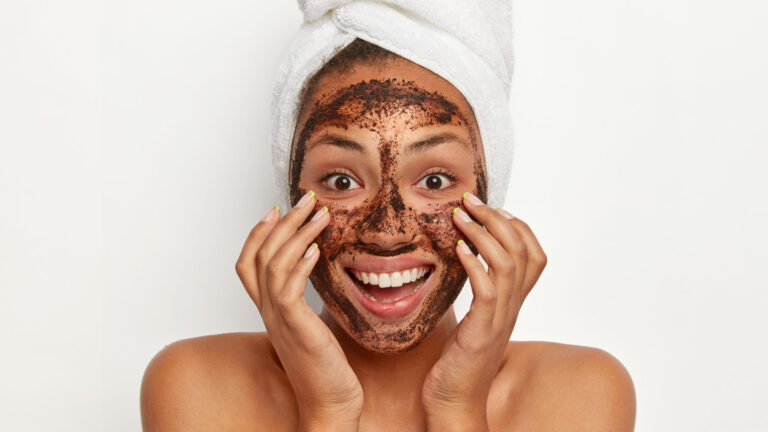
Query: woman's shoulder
x=197, y=381
x=586, y=386
x=208, y=356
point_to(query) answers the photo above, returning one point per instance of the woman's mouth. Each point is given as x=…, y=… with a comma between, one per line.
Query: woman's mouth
x=393, y=293
x=392, y=286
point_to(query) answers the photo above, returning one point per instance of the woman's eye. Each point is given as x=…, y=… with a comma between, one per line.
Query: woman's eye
x=435, y=182
x=341, y=182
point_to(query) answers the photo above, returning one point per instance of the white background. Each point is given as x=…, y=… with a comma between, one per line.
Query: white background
x=133, y=162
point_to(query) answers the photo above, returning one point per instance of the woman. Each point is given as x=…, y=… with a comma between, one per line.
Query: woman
x=388, y=181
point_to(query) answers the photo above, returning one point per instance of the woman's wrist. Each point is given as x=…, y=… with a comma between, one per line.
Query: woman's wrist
x=461, y=424
x=457, y=419
x=342, y=419
x=327, y=426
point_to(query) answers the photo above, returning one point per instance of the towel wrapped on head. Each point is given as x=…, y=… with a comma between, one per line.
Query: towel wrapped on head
x=468, y=43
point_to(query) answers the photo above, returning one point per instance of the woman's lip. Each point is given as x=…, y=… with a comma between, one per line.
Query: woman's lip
x=396, y=309
x=385, y=264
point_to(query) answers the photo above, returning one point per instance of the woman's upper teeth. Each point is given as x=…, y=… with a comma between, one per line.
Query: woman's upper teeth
x=393, y=279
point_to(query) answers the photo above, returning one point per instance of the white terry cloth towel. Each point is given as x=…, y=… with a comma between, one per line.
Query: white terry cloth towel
x=467, y=42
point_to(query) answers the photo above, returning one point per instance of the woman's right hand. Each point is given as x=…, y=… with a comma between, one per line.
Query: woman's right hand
x=274, y=266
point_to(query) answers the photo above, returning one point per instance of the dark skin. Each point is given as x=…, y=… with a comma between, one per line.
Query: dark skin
x=350, y=369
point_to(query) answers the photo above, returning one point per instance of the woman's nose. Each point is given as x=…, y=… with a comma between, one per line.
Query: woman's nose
x=386, y=240
x=385, y=225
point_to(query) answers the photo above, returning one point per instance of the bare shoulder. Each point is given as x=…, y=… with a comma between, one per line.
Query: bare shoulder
x=220, y=382
x=545, y=386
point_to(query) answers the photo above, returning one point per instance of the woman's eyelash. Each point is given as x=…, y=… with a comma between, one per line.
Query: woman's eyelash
x=324, y=177
x=448, y=174
x=344, y=182
x=330, y=174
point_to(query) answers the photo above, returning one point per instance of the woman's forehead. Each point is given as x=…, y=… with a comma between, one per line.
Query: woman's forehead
x=367, y=92
x=396, y=99
x=406, y=142
x=385, y=115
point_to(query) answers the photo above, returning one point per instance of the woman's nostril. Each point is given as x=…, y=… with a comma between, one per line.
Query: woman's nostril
x=386, y=241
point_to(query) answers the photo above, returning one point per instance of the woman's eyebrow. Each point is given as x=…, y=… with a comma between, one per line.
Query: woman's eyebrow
x=435, y=140
x=340, y=142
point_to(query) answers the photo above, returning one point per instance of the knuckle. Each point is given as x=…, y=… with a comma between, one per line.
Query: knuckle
x=541, y=259
x=521, y=223
x=257, y=230
x=285, y=303
x=262, y=258
x=239, y=268
x=508, y=266
x=242, y=266
x=519, y=249
x=275, y=267
x=476, y=345
x=523, y=253
x=487, y=296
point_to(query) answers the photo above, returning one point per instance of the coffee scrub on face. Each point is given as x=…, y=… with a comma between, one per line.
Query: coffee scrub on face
x=425, y=230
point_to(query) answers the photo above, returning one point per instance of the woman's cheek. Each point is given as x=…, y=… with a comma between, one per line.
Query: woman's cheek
x=332, y=239
x=438, y=226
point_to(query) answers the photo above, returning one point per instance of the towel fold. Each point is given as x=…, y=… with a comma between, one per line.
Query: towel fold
x=468, y=43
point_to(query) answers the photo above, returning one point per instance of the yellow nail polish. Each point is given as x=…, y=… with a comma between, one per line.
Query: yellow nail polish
x=319, y=213
x=277, y=208
x=463, y=248
x=271, y=214
x=464, y=195
x=311, y=192
x=462, y=215
x=310, y=250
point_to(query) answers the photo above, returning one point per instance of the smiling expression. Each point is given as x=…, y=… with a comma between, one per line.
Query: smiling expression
x=389, y=149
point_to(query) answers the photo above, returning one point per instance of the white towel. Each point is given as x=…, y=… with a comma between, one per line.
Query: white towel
x=467, y=42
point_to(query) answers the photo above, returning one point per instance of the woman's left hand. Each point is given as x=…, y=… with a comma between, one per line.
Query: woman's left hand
x=455, y=392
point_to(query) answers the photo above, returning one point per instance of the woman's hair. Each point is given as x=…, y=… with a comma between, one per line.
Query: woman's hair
x=357, y=52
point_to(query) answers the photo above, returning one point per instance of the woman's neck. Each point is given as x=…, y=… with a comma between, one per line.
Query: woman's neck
x=394, y=377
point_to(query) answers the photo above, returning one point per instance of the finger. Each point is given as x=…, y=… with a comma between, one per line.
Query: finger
x=496, y=224
x=484, y=295
x=299, y=318
x=537, y=259
x=285, y=259
x=291, y=298
x=504, y=232
x=286, y=227
x=500, y=264
x=246, y=262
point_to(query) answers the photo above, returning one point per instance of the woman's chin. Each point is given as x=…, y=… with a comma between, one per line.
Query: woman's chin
x=398, y=323
x=389, y=343
x=388, y=320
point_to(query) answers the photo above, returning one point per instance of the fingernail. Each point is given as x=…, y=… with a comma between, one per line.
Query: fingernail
x=319, y=213
x=274, y=211
x=311, y=250
x=505, y=213
x=306, y=199
x=464, y=248
x=462, y=214
x=472, y=199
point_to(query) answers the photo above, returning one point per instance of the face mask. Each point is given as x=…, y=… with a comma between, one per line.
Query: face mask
x=426, y=231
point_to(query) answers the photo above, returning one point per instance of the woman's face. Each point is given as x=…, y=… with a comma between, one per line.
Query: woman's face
x=389, y=150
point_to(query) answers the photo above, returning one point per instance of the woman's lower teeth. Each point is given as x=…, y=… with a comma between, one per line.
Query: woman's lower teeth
x=415, y=288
